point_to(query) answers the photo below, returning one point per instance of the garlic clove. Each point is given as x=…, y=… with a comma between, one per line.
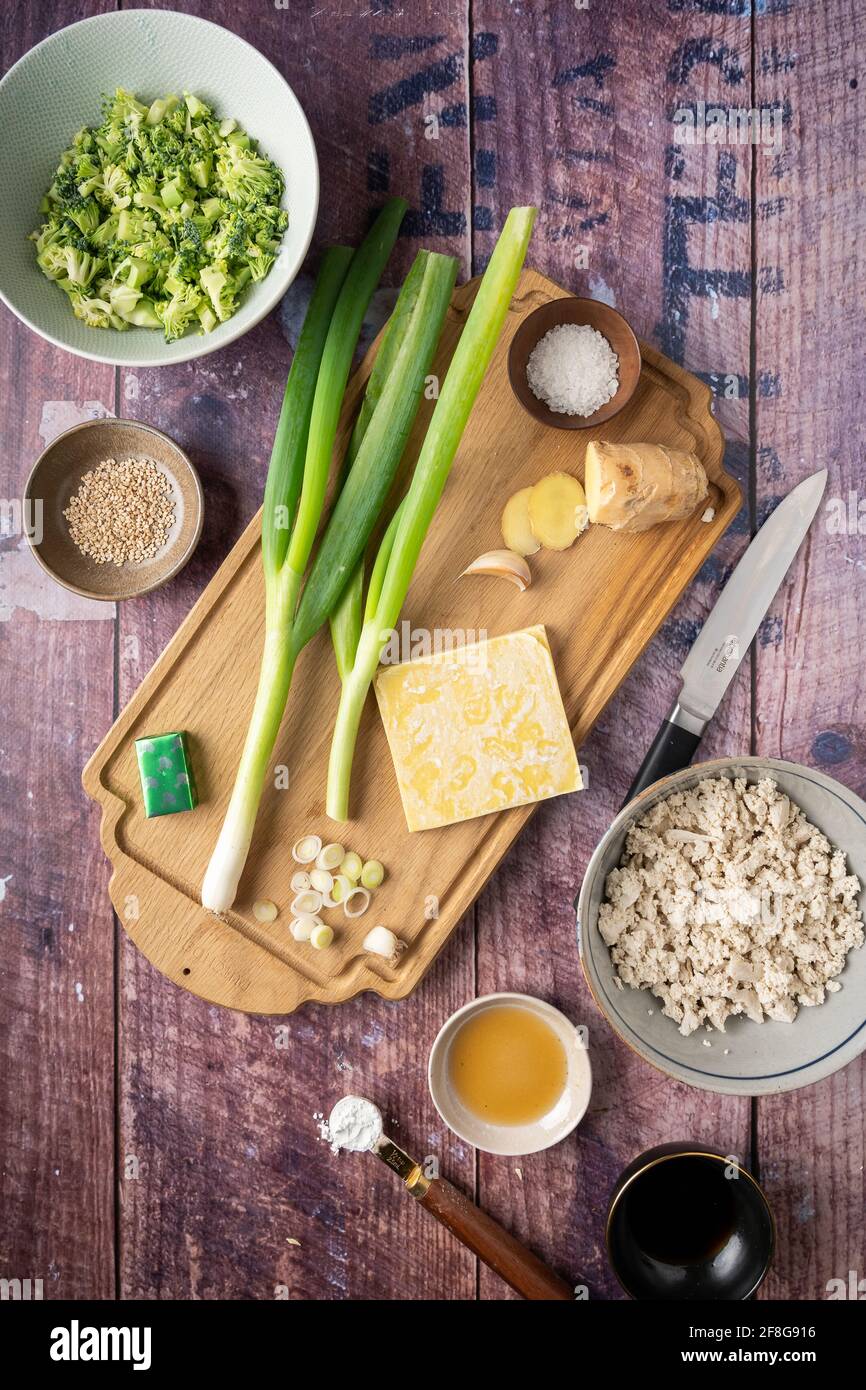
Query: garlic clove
x=502, y=564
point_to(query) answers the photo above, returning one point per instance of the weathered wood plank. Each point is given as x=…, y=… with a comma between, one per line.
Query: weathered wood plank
x=566, y=107
x=218, y=1108
x=570, y=113
x=57, y=936
x=811, y=689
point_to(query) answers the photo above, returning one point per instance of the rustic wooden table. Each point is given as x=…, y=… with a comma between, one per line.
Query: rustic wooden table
x=154, y=1146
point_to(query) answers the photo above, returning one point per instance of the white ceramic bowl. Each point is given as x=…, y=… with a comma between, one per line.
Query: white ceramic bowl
x=512, y=1139
x=57, y=87
x=761, y=1058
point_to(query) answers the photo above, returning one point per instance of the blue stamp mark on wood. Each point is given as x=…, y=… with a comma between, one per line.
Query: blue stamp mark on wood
x=831, y=747
x=388, y=47
x=433, y=218
x=409, y=91
x=705, y=51
x=683, y=281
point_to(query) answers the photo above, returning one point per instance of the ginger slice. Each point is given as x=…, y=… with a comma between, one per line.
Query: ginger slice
x=557, y=511
x=516, y=527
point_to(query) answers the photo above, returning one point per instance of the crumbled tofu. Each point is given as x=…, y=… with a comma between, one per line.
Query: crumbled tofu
x=728, y=901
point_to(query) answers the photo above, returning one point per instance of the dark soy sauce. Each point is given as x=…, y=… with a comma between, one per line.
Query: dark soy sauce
x=680, y=1211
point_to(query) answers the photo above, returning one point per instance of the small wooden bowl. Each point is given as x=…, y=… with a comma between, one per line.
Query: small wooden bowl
x=584, y=311
x=56, y=476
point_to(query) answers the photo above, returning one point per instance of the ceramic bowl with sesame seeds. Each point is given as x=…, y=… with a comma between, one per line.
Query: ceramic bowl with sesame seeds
x=113, y=509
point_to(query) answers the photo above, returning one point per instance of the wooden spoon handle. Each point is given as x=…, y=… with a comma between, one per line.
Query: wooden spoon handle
x=491, y=1243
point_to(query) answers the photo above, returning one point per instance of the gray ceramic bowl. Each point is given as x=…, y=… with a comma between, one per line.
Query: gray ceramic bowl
x=762, y=1058
x=57, y=87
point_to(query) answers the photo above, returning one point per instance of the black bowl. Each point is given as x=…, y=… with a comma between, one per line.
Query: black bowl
x=687, y=1223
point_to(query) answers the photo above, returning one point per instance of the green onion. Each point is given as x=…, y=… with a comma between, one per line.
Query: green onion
x=398, y=555
x=387, y=414
x=345, y=618
x=286, y=468
x=294, y=497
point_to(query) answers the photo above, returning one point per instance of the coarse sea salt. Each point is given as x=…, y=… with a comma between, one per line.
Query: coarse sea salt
x=573, y=369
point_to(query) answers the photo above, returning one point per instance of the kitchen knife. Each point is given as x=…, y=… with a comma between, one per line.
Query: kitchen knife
x=727, y=633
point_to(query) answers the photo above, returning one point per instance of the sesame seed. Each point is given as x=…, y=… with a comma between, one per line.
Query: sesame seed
x=122, y=512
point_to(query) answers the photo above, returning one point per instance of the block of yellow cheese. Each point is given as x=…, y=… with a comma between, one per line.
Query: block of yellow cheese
x=477, y=729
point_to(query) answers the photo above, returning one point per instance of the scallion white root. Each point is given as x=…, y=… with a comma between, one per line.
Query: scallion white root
x=381, y=941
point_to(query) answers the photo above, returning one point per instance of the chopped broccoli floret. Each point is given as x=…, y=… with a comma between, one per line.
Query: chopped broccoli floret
x=166, y=196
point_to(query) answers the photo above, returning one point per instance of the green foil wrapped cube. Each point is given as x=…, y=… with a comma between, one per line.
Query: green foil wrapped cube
x=165, y=769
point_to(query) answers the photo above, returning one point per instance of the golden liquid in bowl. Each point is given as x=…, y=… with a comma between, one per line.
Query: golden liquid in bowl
x=507, y=1065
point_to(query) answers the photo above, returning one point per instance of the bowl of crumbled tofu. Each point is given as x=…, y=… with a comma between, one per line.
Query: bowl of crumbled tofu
x=721, y=925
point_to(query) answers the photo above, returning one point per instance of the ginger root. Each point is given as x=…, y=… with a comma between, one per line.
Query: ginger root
x=631, y=487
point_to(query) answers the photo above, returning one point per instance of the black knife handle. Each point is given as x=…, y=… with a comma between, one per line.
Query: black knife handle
x=671, y=750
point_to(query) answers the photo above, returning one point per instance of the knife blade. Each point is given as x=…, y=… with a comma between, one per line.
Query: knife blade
x=729, y=630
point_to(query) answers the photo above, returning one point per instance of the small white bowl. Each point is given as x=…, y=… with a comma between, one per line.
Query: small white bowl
x=513, y=1139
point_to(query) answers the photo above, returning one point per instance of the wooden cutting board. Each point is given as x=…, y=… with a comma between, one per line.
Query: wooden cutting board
x=601, y=602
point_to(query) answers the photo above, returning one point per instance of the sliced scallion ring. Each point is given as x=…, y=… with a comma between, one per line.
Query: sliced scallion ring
x=342, y=888
x=306, y=904
x=300, y=882
x=322, y=881
x=305, y=850
x=359, y=896
x=265, y=910
x=372, y=874
x=331, y=857
x=351, y=866
x=302, y=928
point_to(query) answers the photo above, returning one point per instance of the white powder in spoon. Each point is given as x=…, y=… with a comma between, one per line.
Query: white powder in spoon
x=573, y=369
x=354, y=1124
